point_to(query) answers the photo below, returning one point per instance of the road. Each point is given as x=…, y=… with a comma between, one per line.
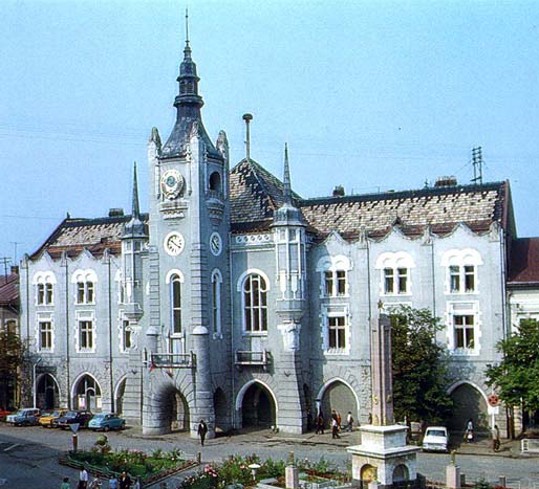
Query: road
x=28, y=455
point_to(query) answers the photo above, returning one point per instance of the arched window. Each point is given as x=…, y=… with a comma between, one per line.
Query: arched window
x=461, y=267
x=334, y=276
x=84, y=281
x=254, y=301
x=216, y=283
x=395, y=273
x=176, y=304
x=44, y=282
x=215, y=182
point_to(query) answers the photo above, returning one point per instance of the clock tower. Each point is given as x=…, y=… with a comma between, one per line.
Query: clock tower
x=188, y=267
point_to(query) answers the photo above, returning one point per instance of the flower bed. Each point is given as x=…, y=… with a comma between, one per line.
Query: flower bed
x=150, y=468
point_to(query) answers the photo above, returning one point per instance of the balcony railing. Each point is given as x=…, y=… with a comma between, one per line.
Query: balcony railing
x=252, y=358
x=172, y=360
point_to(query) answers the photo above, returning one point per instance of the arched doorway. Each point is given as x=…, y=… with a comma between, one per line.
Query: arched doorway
x=47, y=392
x=175, y=411
x=338, y=396
x=87, y=394
x=368, y=474
x=258, y=408
x=469, y=403
x=400, y=474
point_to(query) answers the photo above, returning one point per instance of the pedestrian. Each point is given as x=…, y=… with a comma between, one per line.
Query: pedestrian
x=369, y=419
x=113, y=482
x=83, y=479
x=320, y=424
x=469, y=431
x=339, y=419
x=124, y=481
x=95, y=484
x=138, y=484
x=495, y=438
x=334, y=428
x=349, y=422
x=202, y=430
x=65, y=483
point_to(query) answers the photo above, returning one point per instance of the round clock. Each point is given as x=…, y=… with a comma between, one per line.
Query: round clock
x=216, y=244
x=171, y=184
x=174, y=243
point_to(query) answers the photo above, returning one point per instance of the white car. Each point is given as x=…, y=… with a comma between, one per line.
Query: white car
x=436, y=439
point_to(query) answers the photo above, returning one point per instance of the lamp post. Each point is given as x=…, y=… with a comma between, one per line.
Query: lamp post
x=254, y=468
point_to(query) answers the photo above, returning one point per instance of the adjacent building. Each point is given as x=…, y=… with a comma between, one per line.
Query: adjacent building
x=237, y=301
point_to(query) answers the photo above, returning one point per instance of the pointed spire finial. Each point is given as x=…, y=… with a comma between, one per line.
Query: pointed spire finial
x=135, y=203
x=286, y=177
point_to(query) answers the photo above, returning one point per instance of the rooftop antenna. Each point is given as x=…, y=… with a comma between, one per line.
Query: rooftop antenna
x=477, y=162
x=247, y=118
x=5, y=260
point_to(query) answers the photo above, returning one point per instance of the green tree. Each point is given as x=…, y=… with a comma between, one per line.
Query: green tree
x=11, y=359
x=516, y=377
x=419, y=367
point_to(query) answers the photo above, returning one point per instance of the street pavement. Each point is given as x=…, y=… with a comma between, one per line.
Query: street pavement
x=29, y=456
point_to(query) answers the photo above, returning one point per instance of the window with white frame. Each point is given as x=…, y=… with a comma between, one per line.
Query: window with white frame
x=464, y=328
x=126, y=336
x=254, y=295
x=176, y=337
x=44, y=283
x=119, y=280
x=85, y=283
x=335, y=321
x=45, y=335
x=395, y=272
x=333, y=272
x=86, y=335
x=216, y=285
x=462, y=270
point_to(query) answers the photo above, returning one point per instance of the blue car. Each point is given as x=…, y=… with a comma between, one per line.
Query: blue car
x=106, y=422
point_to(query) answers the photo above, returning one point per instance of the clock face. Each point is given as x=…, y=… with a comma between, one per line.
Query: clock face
x=216, y=244
x=174, y=243
x=171, y=184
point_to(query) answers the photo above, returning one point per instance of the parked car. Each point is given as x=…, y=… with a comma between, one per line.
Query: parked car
x=436, y=439
x=47, y=418
x=73, y=417
x=106, y=422
x=4, y=413
x=24, y=417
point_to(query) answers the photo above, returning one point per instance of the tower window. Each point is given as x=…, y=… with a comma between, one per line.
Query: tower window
x=215, y=182
x=255, y=313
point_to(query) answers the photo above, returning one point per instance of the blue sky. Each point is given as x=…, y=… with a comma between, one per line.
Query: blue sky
x=371, y=95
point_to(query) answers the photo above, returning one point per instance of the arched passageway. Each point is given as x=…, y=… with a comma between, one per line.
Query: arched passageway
x=338, y=397
x=258, y=408
x=47, y=392
x=87, y=394
x=469, y=403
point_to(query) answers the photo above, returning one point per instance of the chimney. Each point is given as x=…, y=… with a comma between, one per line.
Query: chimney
x=442, y=182
x=247, y=118
x=338, y=191
x=116, y=212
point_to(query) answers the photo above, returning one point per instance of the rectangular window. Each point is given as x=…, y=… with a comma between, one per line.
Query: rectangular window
x=337, y=332
x=45, y=335
x=402, y=280
x=126, y=336
x=86, y=335
x=464, y=331
x=48, y=294
x=328, y=281
x=80, y=293
x=41, y=294
x=341, y=282
x=454, y=278
x=388, y=280
x=469, y=278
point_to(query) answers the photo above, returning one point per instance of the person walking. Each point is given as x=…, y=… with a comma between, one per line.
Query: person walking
x=124, y=481
x=113, y=482
x=469, y=431
x=495, y=438
x=349, y=422
x=65, y=483
x=320, y=424
x=334, y=428
x=202, y=430
x=83, y=479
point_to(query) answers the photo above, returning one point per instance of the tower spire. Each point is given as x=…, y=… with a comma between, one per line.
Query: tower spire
x=286, y=176
x=187, y=26
x=135, y=208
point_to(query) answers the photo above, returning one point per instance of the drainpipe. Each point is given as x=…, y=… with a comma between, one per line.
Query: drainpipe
x=109, y=292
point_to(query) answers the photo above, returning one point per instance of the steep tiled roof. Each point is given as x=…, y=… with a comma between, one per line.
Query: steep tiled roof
x=9, y=290
x=95, y=235
x=524, y=262
x=255, y=194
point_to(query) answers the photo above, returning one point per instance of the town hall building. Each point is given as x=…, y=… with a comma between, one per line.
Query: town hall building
x=235, y=300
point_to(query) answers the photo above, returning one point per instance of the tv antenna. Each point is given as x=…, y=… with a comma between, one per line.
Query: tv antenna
x=477, y=162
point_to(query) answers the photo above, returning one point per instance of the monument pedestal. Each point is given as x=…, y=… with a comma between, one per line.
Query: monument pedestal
x=383, y=456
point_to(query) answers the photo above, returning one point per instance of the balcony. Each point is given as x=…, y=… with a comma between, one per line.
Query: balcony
x=252, y=359
x=172, y=360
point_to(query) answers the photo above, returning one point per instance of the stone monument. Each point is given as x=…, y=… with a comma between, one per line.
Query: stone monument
x=383, y=458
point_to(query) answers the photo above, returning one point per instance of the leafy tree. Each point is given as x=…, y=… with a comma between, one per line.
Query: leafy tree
x=11, y=359
x=419, y=367
x=516, y=377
